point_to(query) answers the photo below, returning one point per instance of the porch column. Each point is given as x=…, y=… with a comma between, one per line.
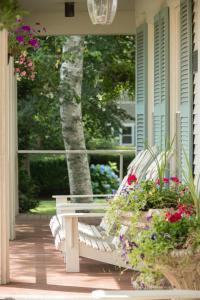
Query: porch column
x=13, y=148
x=4, y=160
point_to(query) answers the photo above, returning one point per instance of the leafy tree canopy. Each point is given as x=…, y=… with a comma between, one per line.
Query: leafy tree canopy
x=108, y=71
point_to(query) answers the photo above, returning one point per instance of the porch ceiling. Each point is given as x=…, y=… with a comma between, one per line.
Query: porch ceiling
x=50, y=13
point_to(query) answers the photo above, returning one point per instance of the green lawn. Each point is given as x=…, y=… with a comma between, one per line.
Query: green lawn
x=46, y=207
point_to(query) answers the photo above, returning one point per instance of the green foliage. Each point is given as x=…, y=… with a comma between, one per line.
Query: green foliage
x=161, y=237
x=9, y=13
x=27, y=192
x=189, y=179
x=108, y=71
x=148, y=194
x=104, y=178
x=49, y=175
x=38, y=101
x=105, y=159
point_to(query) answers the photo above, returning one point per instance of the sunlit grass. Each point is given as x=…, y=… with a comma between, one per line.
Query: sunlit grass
x=46, y=207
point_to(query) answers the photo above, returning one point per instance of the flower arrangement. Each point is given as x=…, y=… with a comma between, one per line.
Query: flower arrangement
x=164, y=230
x=138, y=197
x=22, y=40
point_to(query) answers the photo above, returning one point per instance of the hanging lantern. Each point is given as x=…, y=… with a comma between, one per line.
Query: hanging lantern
x=102, y=11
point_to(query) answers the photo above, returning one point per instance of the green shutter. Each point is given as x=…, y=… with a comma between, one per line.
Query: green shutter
x=161, y=79
x=141, y=87
x=186, y=82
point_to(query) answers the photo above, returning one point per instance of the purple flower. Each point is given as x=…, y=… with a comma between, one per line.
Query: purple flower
x=34, y=43
x=20, y=39
x=26, y=28
x=142, y=255
x=149, y=217
x=121, y=237
x=146, y=227
x=154, y=237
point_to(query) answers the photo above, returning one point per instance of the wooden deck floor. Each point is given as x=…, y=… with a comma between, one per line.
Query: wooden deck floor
x=37, y=268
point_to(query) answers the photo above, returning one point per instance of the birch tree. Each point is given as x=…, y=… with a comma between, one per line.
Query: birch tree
x=71, y=116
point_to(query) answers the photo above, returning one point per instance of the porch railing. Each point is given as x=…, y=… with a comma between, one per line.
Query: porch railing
x=120, y=153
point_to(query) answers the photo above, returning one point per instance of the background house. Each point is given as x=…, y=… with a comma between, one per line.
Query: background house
x=127, y=132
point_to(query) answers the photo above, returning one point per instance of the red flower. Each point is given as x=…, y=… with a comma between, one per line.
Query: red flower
x=172, y=218
x=185, y=209
x=165, y=180
x=175, y=179
x=131, y=179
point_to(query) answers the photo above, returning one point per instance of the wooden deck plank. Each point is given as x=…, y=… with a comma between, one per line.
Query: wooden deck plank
x=37, y=268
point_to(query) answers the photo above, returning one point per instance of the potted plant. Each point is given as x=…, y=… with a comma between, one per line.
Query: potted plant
x=167, y=239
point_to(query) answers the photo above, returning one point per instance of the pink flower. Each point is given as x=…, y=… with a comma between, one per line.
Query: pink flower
x=131, y=179
x=158, y=181
x=23, y=73
x=30, y=64
x=17, y=70
x=32, y=77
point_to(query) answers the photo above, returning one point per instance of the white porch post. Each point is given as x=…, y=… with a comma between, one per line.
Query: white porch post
x=4, y=160
x=13, y=148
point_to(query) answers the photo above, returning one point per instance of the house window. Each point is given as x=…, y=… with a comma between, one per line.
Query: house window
x=127, y=135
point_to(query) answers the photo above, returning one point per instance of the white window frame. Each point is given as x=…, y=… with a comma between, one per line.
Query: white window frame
x=132, y=125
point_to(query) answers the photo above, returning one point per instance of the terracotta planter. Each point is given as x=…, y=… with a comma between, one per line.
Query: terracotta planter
x=182, y=269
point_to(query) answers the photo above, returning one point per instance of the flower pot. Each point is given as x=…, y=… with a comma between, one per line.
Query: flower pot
x=181, y=268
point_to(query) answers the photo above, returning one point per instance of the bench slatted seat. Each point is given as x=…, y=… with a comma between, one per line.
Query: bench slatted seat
x=79, y=239
x=139, y=164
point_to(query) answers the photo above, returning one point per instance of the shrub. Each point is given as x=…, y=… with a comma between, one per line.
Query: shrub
x=104, y=178
x=27, y=192
x=105, y=159
x=50, y=173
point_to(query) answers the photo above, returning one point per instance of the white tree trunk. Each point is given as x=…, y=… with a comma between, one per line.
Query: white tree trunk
x=71, y=116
